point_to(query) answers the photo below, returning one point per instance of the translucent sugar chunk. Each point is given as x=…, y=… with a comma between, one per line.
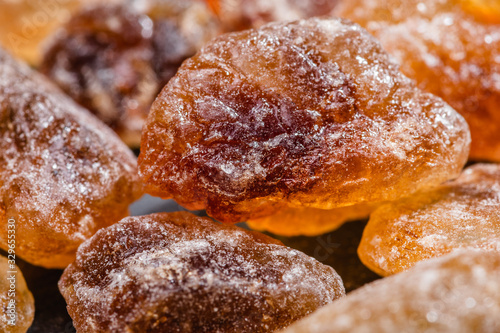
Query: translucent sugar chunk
x=309, y=113
x=16, y=301
x=177, y=272
x=451, y=48
x=457, y=293
x=310, y=221
x=459, y=214
x=63, y=173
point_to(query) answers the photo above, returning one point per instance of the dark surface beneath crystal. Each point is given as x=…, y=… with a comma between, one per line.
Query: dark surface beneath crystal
x=337, y=249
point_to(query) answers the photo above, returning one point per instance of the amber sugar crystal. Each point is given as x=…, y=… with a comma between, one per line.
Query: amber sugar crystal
x=457, y=293
x=308, y=113
x=63, y=173
x=102, y=59
x=17, y=318
x=451, y=48
x=310, y=221
x=114, y=58
x=177, y=272
x=459, y=214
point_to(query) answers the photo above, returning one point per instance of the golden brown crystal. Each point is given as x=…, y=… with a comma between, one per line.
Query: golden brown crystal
x=177, y=272
x=114, y=59
x=24, y=24
x=310, y=221
x=309, y=113
x=459, y=214
x=451, y=48
x=63, y=173
x=16, y=301
x=458, y=292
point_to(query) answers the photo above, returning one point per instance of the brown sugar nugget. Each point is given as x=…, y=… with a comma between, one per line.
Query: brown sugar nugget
x=457, y=293
x=63, y=173
x=451, y=49
x=14, y=318
x=181, y=28
x=245, y=14
x=459, y=214
x=114, y=59
x=310, y=221
x=177, y=272
x=308, y=113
